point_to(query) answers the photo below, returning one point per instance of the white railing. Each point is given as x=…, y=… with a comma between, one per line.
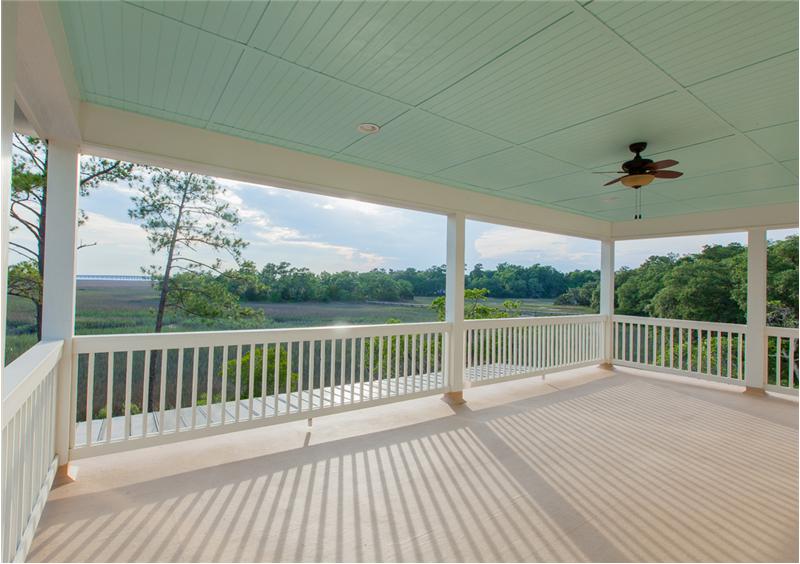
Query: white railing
x=713, y=351
x=504, y=349
x=782, y=359
x=29, y=460
x=138, y=390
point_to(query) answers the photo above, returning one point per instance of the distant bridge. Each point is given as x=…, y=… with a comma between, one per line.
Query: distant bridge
x=116, y=277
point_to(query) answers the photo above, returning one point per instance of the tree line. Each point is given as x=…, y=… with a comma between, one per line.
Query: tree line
x=710, y=285
x=282, y=282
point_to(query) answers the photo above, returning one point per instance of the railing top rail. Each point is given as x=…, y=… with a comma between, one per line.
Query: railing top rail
x=524, y=321
x=683, y=323
x=21, y=377
x=156, y=341
x=782, y=331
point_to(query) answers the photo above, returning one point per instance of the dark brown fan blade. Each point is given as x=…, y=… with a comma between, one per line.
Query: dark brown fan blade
x=658, y=165
x=666, y=173
x=613, y=181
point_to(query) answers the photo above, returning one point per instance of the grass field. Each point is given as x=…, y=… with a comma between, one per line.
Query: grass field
x=105, y=307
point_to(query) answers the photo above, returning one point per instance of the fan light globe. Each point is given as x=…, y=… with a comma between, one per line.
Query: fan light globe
x=637, y=180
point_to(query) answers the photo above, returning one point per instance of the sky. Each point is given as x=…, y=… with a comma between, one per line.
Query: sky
x=332, y=234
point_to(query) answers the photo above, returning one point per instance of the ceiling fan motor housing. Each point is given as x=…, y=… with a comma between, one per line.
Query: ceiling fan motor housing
x=637, y=165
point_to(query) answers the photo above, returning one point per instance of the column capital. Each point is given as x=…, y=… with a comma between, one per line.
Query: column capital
x=64, y=144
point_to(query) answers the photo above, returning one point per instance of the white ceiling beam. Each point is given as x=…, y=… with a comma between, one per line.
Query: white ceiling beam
x=124, y=135
x=46, y=90
x=776, y=216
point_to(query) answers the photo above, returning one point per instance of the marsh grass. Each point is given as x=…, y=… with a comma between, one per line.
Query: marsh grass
x=111, y=307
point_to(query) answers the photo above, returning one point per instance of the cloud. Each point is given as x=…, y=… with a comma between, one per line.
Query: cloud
x=353, y=257
x=509, y=244
x=232, y=198
x=342, y=206
x=254, y=217
x=279, y=234
x=358, y=207
x=248, y=214
x=121, y=246
x=236, y=186
x=273, y=234
x=122, y=188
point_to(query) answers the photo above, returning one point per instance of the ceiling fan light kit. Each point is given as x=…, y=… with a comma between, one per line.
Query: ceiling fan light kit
x=640, y=171
x=637, y=180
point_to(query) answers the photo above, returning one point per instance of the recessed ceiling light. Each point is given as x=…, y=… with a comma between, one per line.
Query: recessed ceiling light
x=368, y=128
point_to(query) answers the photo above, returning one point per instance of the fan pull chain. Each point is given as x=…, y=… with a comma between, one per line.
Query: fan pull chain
x=637, y=212
x=640, y=202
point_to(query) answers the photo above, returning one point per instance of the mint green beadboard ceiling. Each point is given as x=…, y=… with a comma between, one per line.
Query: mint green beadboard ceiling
x=522, y=100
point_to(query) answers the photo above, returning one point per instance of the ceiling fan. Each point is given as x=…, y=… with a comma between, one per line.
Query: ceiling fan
x=640, y=171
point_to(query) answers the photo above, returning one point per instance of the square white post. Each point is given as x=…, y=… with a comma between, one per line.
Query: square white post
x=454, y=305
x=58, y=300
x=756, y=339
x=607, y=298
x=9, y=40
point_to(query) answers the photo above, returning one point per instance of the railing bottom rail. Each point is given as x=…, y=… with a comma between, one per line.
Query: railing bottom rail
x=508, y=374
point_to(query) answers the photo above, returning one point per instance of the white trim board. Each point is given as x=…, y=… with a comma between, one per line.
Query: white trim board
x=125, y=135
x=46, y=90
x=119, y=134
x=774, y=216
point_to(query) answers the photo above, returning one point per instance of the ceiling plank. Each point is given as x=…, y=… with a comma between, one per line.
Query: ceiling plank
x=509, y=68
x=586, y=14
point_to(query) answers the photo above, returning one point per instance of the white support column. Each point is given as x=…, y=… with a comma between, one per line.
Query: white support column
x=9, y=40
x=607, y=297
x=454, y=305
x=58, y=301
x=756, y=339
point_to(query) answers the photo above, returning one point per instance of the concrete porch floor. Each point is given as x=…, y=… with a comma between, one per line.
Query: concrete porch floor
x=589, y=464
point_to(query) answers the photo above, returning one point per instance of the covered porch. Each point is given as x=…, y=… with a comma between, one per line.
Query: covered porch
x=583, y=465
x=595, y=437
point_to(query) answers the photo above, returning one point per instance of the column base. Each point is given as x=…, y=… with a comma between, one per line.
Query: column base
x=750, y=391
x=606, y=366
x=453, y=398
x=65, y=474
